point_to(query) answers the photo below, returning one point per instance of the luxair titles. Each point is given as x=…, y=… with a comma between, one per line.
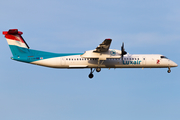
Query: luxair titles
x=113, y=53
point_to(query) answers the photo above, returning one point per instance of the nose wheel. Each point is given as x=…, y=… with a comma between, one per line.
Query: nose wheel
x=169, y=70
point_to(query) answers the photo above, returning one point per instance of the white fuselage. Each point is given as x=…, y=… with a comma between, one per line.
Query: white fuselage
x=129, y=61
x=101, y=57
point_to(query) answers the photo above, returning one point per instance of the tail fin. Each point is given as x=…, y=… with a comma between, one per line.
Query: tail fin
x=16, y=43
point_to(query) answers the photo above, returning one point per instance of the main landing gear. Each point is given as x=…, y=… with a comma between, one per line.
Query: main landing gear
x=91, y=73
x=92, y=70
x=98, y=69
x=169, y=70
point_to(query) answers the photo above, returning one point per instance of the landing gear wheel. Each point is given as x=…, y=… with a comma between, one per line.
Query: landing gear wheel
x=98, y=69
x=91, y=75
x=169, y=71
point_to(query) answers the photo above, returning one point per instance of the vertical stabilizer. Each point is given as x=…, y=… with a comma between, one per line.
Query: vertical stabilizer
x=16, y=43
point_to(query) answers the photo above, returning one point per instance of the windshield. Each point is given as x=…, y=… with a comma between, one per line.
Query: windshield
x=164, y=57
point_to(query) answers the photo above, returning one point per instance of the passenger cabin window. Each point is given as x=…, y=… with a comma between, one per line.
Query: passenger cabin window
x=164, y=57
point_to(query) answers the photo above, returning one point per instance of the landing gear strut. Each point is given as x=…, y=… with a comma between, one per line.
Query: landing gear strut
x=169, y=70
x=100, y=62
x=91, y=73
x=98, y=69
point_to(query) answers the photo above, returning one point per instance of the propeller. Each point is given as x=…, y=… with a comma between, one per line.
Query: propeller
x=123, y=52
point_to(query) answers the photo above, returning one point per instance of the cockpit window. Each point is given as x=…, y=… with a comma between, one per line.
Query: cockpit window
x=164, y=57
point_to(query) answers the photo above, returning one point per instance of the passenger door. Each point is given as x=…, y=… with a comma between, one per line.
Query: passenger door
x=63, y=61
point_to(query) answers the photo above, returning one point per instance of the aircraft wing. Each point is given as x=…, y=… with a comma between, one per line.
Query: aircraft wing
x=104, y=46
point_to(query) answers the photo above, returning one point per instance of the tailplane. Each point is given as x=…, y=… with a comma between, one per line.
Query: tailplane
x=17, y=44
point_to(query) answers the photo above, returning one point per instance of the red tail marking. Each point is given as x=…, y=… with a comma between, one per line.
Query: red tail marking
x=13, y=37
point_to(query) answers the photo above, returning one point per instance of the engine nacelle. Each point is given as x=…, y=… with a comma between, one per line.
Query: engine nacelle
x=111, y=53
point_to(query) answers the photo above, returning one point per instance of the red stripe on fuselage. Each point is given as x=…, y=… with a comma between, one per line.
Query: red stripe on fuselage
x=14, y=37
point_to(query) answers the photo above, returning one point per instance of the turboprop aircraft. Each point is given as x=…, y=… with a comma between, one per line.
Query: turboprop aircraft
x=101, y=57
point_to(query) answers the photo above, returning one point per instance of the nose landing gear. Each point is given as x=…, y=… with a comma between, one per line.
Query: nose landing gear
x=169, y=70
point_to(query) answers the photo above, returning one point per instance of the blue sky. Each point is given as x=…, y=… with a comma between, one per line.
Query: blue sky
x=34, y=92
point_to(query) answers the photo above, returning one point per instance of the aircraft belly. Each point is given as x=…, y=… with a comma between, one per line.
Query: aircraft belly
x=50, y=62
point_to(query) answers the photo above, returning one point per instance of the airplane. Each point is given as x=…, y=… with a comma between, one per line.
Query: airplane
x=101, y=57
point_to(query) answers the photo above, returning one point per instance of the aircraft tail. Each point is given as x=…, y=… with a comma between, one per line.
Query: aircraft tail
x=16, y=43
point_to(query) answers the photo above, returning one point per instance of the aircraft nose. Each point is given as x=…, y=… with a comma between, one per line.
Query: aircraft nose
x=176, y=65
x=173, y=64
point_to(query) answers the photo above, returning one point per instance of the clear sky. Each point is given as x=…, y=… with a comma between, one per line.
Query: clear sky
x=29, y=92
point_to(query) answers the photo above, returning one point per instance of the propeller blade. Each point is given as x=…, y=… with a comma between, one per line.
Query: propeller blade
x=123, y=52
x=122, y=47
